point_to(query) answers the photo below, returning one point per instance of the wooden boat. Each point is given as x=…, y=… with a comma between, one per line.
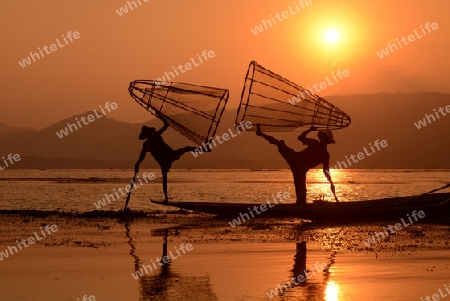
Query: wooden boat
x=436, y=205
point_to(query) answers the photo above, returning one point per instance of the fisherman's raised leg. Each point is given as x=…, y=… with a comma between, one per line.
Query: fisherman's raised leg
x=269, y=138
x=181, y=151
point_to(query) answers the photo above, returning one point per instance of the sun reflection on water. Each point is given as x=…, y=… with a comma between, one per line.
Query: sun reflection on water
x=331, y=292
x=319, y=187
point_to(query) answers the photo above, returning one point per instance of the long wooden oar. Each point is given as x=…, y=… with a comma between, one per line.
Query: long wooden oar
x=129, y=194
x=437, y=189
x=331, y=184
x=421, y=195
x=334, y=192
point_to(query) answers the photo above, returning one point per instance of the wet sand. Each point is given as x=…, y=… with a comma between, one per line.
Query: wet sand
x=96, y=256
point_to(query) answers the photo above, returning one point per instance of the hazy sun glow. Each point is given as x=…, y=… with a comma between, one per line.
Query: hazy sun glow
x=331, y=36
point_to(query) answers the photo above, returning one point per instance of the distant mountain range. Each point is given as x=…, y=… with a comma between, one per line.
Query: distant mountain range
x=4, y=129
x=106, y=143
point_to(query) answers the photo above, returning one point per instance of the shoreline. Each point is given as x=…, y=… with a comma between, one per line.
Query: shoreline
x=83, y=231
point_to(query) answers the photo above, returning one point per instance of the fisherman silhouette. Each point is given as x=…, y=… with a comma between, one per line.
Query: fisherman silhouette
x=300, y=162
x=160, y=150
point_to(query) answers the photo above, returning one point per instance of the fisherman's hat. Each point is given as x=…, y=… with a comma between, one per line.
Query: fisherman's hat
x=145, y=131
x=328, y=135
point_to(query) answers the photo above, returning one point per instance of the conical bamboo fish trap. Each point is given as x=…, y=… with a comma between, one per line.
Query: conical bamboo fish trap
x=194, y=111
x=266, y=97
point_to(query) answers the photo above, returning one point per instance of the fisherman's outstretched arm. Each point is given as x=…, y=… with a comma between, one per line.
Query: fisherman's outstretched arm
x=302, y=137
x=165, y=127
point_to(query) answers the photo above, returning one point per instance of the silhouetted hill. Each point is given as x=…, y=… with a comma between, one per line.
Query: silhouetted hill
x=391, y=117
x=107, y=143
x=4, y=129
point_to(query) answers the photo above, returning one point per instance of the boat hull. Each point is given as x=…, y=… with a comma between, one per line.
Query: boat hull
x=433, y=205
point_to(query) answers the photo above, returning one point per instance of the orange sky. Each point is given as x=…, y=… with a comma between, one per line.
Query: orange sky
x=144, y=43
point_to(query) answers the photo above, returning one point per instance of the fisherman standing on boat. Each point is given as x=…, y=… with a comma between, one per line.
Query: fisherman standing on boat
x=300, y=162
x=160, y=150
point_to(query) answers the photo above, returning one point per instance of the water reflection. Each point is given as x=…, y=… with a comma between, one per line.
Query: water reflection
x=151, y=286
x=314, y=280
x=316, y=284
x=331, y=292
x=165, y=284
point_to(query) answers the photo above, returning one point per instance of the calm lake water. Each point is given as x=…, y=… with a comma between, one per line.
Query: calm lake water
x=78, y=190
x=224, y=272
x=97, y=256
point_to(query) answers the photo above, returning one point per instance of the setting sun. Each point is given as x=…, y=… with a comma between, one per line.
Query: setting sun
x=331, y=36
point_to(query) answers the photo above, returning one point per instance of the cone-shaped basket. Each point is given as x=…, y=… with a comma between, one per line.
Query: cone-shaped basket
x=280, y=105
x=194, y=111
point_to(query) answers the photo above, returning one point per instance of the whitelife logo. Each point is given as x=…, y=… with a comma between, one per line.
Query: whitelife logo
x=430, y=118
x=110, y=197
x=90, y=118
x=86, y=298
x=31, y=240
x=319, y=267
x=207, y=146
x=53, y=47
x=124, y=9
x=11, y=158
x=361, y=155
x=436, y=297
x=341, y=74
x=168, y=75
x=243, y=217
x=411, y=38
x=380, y=235
x=161, y=261
x=280, y=17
